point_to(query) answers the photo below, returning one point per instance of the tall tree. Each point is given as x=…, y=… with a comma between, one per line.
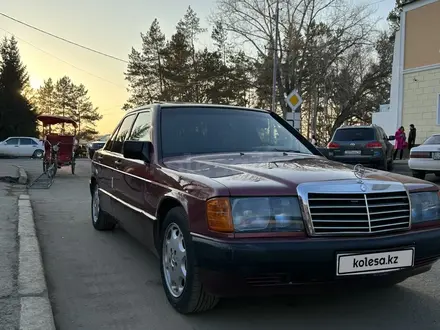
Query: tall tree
x=64, y=96
x=17, y=117
x=84, y=113
x=145, y=72
x=190, y=28
x=46, y=98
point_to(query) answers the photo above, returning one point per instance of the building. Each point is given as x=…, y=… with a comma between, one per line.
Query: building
x=415, y=85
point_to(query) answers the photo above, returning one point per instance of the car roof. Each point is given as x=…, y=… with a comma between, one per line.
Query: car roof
x=193, y=105
x=354, y=127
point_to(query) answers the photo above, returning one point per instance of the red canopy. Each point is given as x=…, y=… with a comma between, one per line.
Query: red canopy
x=52, y=120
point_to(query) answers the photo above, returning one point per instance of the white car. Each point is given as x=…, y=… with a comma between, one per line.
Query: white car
x=425, y=158
x=22, y=146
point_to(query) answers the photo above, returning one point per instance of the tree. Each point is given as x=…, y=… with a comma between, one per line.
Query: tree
x=69, y=100
x=84, y=113
x=145, y=72
x=46, y=98
x=394, y=17
x=17, y=117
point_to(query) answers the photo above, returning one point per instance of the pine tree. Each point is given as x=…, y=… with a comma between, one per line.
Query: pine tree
x=145, y=72
x=46, y=98
x=17, y=117
x=64, y=96
x=84, y=113
x=190, y=28
x=177, y=70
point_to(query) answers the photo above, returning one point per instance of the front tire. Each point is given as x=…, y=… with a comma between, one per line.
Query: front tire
x=179, y=273
x=100, y=220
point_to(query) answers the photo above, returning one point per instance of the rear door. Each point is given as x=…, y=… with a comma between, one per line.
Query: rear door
x=115, y=164
x=352, y=141
x=27, y=147
x=104, y=173
x=388, y=147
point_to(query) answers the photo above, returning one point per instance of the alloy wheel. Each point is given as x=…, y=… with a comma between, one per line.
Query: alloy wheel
x=174, y=260
x=95, y=206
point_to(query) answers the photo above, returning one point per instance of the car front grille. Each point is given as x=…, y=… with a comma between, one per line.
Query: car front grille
x=354, y=213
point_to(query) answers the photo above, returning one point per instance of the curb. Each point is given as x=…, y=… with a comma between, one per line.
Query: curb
x=36, y=311
x=22, y=176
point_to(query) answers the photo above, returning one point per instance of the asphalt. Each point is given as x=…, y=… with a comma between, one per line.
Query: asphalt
x=108, y=281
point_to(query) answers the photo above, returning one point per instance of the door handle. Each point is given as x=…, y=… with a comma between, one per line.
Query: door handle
x=118, y=162
x=100, y=157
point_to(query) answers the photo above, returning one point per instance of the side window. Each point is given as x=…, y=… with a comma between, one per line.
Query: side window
x=142, y=127
x=26, y=142
x=122, y=135
x=13, y=142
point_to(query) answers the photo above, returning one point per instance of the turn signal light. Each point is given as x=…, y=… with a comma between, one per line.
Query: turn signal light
x=374, y=145
x=218, y=212
x=419, y=154
x=333, y=145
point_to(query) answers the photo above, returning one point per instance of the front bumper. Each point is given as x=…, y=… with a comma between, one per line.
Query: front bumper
x=272, y=266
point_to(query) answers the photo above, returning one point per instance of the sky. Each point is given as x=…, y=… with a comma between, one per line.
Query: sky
x=110, y=26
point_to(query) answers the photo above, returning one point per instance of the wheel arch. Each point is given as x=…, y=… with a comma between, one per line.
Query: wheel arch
x=165, y=205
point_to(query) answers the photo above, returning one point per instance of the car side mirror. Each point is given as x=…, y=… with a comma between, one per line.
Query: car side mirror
x=391, y=137
x=140, y=150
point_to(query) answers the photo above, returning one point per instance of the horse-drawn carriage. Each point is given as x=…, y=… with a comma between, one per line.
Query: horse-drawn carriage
x=59, y=148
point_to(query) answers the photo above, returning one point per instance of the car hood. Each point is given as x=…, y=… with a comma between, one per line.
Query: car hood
x=275, y=173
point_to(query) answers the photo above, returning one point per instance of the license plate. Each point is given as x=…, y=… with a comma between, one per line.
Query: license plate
x=436, y=155
x=371, y=263
x=352, y=152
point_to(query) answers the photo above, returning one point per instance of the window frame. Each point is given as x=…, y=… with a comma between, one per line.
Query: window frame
x=134, y=115
x=150, y=128
x=33, y=143
x=12, y=138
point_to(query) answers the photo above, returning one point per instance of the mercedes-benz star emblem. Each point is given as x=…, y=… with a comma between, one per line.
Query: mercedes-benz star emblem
x=359, y=172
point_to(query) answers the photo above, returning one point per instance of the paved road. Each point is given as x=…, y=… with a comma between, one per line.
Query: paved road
x=108, y=281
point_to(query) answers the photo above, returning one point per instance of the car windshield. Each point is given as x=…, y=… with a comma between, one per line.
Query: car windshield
x=435, y=139
x=221, y=130
x=354, y=134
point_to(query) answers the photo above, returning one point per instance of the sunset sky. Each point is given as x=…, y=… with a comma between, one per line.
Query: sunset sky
x=110, y=26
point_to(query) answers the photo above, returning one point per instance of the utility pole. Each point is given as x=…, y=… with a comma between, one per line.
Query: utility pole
x=275, y=58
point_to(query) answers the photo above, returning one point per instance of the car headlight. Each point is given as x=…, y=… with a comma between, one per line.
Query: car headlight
x=56, y=148
x=255, y=214
x=425, y=206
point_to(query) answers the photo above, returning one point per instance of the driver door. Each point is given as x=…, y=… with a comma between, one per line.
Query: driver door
x=10, y=147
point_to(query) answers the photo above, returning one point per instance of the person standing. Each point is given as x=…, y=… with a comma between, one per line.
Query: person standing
x=400, y=141
x=411, y=136
x=314, y=140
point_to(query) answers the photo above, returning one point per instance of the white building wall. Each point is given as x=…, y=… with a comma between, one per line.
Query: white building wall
x=388, y=120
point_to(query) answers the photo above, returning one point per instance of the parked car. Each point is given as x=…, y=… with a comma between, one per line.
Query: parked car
x=367, y=145
x=235, y=201
x=22, y=146
x=425, y=158
x=96, y=145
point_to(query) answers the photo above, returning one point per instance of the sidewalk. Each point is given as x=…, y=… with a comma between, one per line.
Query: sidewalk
x=24, y=303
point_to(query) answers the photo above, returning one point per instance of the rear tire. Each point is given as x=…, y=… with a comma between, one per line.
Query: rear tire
x=38, y=154
x=192, y=298
x=100, y=220
x=419, y=174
